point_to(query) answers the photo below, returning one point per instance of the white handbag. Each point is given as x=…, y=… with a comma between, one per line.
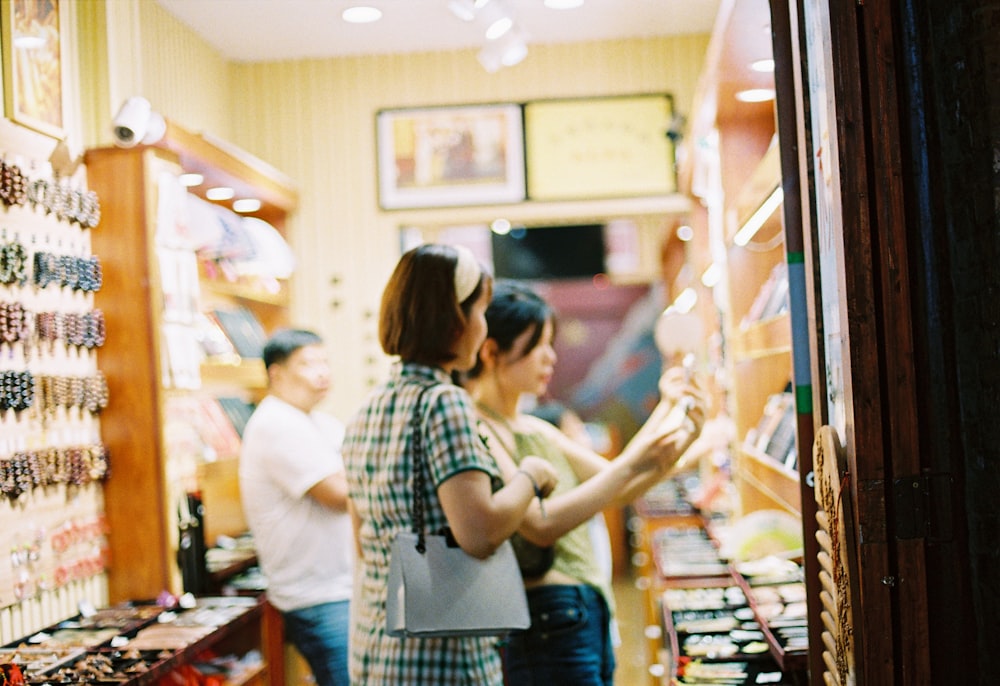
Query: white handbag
x=444, y=591
x=437, y=589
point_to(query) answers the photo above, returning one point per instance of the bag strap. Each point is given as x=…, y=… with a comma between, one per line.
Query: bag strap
x=419, y=468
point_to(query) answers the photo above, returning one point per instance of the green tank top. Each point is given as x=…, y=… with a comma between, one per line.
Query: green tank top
x=575, y=555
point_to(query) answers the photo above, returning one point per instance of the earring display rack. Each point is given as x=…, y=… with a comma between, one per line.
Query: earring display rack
x=52, y=458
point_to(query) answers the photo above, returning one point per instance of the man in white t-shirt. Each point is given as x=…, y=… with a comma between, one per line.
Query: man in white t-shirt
x=294, y=495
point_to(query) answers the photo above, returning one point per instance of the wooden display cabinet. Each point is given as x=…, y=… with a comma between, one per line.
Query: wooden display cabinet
x=733, y=172
x=760, y=347
x=150, y=473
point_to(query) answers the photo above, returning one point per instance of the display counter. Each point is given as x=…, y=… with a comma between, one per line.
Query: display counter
x=215, y=641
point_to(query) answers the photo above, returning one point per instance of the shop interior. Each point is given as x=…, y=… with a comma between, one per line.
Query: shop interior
x=643, y=193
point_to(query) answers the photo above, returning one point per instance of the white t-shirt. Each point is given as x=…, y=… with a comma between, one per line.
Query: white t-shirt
x=305, y=549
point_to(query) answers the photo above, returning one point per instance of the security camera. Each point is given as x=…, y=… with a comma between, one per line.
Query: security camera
x=136, y=122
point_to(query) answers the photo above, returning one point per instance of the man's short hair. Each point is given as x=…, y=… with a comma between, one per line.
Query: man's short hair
x=284, y=342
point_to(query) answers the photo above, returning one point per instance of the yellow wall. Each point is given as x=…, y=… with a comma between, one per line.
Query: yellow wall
x=315, y=121
x=183, y=78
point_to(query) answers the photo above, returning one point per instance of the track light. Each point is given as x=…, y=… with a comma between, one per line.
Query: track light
x=505, y=45
x=505, y=52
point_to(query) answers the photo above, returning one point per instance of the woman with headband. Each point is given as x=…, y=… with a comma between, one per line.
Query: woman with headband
x=432, y=318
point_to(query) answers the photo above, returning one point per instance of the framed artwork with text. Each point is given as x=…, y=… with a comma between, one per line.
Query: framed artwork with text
x=609, y=147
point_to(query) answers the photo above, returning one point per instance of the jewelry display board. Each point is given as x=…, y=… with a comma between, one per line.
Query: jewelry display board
x=52, y=458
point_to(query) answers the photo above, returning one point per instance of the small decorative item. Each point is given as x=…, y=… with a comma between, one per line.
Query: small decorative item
x=32, y=65
x=612, y=147
x=450, y=156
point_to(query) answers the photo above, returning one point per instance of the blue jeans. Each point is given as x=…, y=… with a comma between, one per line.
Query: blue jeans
x=320, y=633
x=568, y=643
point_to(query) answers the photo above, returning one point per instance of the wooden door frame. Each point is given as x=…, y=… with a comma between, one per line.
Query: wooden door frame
x=876, y=339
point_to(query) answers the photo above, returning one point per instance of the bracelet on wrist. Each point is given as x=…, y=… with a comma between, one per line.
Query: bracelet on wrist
x=534, y=484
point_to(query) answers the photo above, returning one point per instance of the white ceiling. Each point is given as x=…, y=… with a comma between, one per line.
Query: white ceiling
x=268, y=30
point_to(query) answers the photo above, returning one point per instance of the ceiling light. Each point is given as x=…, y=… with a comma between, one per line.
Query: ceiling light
x=246, y=205
x=685, y=301
x=763, y=66
x=685, y=232
x=191, y=180
x=755, y=95
x=712, y=275
x=499, y=27
x=220, y=193
x=361, y=14
x=463, y=9
x=563, y=4
x=506, y=52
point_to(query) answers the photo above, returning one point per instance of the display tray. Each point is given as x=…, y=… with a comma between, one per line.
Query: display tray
x=715, y=637
x=37, y=660
x=687, y=551
x=731, y=673
x=781, y=608
x=102, y=666
x=149, y=642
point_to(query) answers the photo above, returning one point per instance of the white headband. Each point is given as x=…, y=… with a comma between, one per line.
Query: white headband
x=467, y=273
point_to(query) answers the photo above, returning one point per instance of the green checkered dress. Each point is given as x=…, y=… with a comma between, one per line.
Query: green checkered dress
x=379, y=476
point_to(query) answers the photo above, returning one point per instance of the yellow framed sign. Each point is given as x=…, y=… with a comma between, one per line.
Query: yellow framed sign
x=599, y=147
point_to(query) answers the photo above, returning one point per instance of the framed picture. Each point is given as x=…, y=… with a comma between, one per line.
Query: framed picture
x=450, y=156
x=32, y=64
x=599, y=147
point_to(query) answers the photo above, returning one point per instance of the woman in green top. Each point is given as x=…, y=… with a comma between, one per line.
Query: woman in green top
x=569, y=641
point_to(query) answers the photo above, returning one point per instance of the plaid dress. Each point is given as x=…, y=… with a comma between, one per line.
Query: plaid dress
x=379, y=475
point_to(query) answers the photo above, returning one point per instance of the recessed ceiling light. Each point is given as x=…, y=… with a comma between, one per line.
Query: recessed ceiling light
x=361, y=14
x=685, y=232
x=763, y=66
x=220, y=193
x=563, y=4
x=755, y=95
x=191, y=180
x=246, y=205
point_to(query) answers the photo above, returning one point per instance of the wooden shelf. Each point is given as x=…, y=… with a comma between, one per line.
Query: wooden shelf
x=767, y=484
x=765, y=178
x=249, y=290
x=151, y=474
x=241, y=372
x=256, y=675
x=767, y=337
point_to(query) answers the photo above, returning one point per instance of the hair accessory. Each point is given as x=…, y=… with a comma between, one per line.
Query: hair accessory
x=467, y=273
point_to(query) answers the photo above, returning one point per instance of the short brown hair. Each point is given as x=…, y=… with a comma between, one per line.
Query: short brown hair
x=420, y=318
